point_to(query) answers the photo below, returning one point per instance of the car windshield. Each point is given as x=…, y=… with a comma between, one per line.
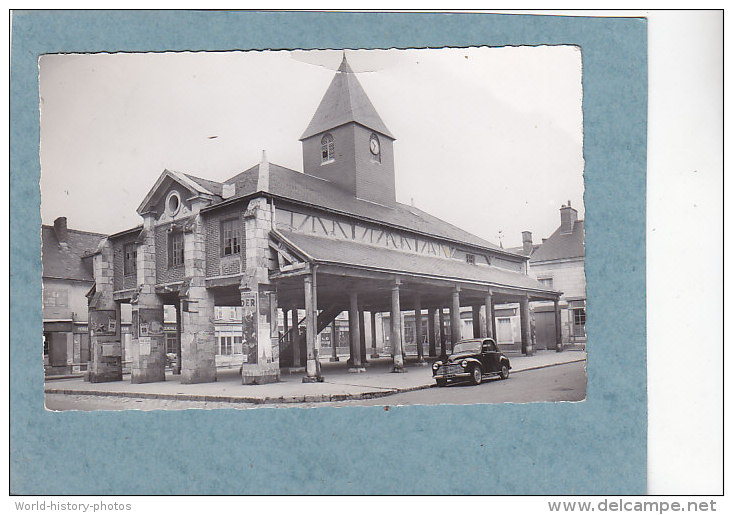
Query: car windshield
x=467, y=346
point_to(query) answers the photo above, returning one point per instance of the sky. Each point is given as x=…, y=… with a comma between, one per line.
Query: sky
x=489, y=139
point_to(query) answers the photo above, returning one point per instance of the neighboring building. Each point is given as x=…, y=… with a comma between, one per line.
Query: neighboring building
x=67, y=277
x=559, y=264
x=291, y=252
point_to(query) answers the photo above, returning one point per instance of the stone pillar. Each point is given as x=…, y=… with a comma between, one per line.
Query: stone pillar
x=334, y=342
x=475, y=320
x=441, y=331
x=362, y=338
x=260, y=343
x=179, y=328
x=524, y=318
x=489, y=310
x=558, y=327
x=104, y=320
x=373, y=319
x=148, y=338
x=295, y=339
x=355, y=333
x=432, y=316
x=418, y=330
x=455, y=318
x=395, y=319
x=198, y=342
x=311, y=369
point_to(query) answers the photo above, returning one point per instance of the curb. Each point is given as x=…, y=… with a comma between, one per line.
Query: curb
x=269, y=400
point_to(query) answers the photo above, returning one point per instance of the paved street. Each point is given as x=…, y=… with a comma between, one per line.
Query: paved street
x=557, y=383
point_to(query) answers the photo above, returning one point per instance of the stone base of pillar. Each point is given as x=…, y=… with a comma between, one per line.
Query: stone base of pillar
x=333, y=359
x=357, y=370
x=201, y=375
x=309, y=379
x=374, y=355
x=350, y=362
x=104, y=377
x=421, y=363
x=296, y=370
x=148, y=375
x=260, y=374
x=399, y=369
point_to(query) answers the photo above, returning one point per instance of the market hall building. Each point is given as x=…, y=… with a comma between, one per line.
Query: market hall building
x=278, y=242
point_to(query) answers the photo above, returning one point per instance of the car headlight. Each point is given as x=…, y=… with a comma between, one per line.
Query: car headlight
x=436, y=365
x=464, y=363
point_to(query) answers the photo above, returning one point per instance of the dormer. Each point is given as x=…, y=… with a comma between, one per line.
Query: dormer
x=176, y=196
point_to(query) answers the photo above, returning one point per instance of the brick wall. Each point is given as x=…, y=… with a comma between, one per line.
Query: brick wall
x=121, y=281
x=216, y=264
x=163, y=273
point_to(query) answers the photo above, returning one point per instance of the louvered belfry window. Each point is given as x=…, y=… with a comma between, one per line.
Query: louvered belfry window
x=328, y=148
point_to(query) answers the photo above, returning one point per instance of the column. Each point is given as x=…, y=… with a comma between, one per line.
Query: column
x=525, y=325
x=310, y=332
x=362, y=338
x=395, y=336
x=475, y=320
x=441, y=323
x=355, y=333
x=558, y=327
x=432, y=315
x=198, y=344
x=104, y=321
x=373, y=318
x=295, y=338
x=455, y=318
x=418, y=330
x=148, y=338
x=179, y=328
x=334, y=342
x=489, y=309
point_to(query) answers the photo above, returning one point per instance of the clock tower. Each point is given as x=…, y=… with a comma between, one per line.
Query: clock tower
x=348, y=144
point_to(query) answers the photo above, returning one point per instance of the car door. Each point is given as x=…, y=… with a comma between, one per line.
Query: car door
x=491, y=355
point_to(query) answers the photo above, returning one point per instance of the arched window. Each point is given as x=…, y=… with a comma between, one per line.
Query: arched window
x=328, y=149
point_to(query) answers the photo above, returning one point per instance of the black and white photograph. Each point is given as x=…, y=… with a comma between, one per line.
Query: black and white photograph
x=282, y=229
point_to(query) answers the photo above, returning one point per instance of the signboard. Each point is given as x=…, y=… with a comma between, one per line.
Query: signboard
x=144, y=345
x=112, y=349
x=103, y=322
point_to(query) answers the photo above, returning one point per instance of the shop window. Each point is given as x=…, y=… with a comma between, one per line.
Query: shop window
x=230, y=238
x=170, y=343
x=328, y=149
x=175, y=249
x=225, y=345
x=130, y=252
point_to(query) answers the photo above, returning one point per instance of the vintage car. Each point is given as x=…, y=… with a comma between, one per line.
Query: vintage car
x=472, y=360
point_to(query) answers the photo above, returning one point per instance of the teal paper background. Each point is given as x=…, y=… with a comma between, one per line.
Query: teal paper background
x=597, y=446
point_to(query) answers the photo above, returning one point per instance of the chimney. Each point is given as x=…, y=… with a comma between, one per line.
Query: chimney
x=526, y=243
x=263, y=174
x=568, y=217
x=59, y=227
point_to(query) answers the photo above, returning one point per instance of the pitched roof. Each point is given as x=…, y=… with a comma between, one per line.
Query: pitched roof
x=351, y=253
x=299, y=187
x=562, y=245
x=212, y=186
x=60, y=263
x=345, y=101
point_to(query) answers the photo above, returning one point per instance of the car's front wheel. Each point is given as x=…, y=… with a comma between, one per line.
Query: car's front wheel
x=476, y=374
x=504, y=374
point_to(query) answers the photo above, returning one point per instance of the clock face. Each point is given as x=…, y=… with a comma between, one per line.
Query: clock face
x=374, y=146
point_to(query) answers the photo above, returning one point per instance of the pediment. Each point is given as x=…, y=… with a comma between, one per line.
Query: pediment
x=171, y=184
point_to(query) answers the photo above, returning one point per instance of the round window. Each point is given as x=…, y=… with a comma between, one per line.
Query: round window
x=173, y=203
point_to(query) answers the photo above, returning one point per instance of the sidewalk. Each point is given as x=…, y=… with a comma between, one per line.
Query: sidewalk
x=338, y=384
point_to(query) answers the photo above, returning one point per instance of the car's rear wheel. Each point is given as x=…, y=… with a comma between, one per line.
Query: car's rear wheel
x=504, y=374
x=476, y=374
x=440, y=382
